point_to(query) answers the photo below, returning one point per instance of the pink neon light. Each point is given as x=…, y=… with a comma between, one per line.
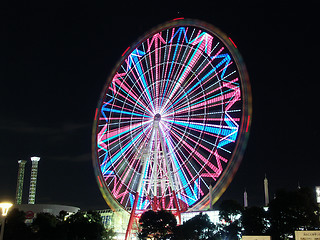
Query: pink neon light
x=248, y=123
x=125, y=51
x=236, y=97
x=116, y=188
x=191, y=150
x=112, y=133
x=165, y=72
x=123, y=84
x=100, y=181
x=175, y=19
x=205, y=104
x=233, y=43
x=205, y=42
x=95, y=115
x=209, y=78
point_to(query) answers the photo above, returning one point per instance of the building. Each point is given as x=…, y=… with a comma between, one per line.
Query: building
x=32, y=210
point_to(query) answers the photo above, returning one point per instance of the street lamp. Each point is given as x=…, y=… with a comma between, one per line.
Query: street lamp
x=5, y=208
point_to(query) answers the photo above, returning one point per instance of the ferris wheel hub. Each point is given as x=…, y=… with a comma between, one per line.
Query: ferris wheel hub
x=157, y=117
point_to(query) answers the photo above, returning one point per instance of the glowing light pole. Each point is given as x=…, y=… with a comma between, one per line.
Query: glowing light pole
x=5, y=208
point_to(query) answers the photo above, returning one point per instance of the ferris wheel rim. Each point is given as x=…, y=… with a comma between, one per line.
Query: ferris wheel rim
x=245, y=124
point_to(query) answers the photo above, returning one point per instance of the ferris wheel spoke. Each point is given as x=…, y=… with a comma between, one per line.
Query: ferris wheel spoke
x=139, y=89
x=210, y=101
x=117, y=155
x=193, y=77
x=141, y=75
x=194, y=87
x=203, y=42
x=203, y=161
x=208, y=76
x=136, y=90
x=185, y=188
x=180, y=30
x=133, y=97
x=191, y=137
x=122, y=130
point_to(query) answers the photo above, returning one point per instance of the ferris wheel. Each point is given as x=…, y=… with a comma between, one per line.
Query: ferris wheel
x=173, y=119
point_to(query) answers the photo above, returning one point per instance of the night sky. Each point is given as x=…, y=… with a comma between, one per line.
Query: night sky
x=56, y=56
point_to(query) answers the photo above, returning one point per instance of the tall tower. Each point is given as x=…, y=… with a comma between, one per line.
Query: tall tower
x=33, y=180
x=266, y=191
x=245, y=198
x=20, y=181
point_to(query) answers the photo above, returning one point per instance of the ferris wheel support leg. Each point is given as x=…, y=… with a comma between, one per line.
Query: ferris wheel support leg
x=169, y=175
x=176, y=203
x=155, y=204
x=132, y=216
x=146, y=154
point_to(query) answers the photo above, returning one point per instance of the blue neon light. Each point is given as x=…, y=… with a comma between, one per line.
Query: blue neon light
x=134, y=57
x=180, y=30
x=102, y=109
x=124, y=112
x=209, y=129
x=131, y=198
x=122, y=150
x=226, y=58
x=129, y=130
x=181, y=175
x=233, y=133
x=199, y=44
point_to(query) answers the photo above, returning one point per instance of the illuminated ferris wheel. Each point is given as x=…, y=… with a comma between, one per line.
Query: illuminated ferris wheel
x=173, y=120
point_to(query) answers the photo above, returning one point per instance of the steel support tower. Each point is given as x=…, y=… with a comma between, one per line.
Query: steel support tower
x=156, y=153
x=33, y=180
x=20, y=181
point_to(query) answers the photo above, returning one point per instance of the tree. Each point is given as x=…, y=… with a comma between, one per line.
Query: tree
x=86, y=226
x=16, y=228
x=157, y=225
x=254, y=221
x=197, y=228
x=291, y=211
x=230, y=212
x=44, y=226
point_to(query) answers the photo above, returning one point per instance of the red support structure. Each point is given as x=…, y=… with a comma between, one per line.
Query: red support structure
x=132, y=216
x=176, y=203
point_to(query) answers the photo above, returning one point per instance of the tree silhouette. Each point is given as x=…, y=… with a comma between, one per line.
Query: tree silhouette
x=291, y=211
x=157, y=225
x=16, y=229
x=229, y=213
x=197, y=228
x=254, y=221
x=44, y=226
x=85, y=226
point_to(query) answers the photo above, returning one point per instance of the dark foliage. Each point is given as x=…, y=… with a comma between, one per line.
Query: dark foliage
x=254, y=221
x=197, y=228
x=85, y=226
x=78, y=226
x=229, y=210
x=157, y=225
x=291, y=211
x=229, y=213
x=16, y=229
